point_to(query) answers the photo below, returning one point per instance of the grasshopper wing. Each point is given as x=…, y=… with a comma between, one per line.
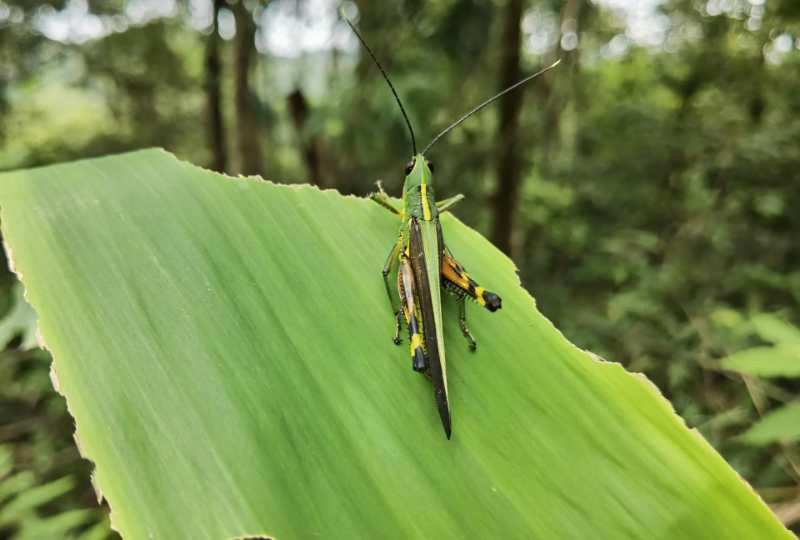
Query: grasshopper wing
x=425, y=252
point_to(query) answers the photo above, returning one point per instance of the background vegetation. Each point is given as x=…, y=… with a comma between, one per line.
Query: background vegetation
x=646, y=188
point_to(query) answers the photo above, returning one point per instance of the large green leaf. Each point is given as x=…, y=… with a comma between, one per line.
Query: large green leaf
x=225, y=347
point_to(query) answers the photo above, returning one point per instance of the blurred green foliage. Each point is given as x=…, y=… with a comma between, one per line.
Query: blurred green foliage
x=656, y=222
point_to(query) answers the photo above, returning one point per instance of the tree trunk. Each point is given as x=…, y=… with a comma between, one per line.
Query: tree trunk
x=506, y=197
x=298, y=107
x=248, y=136
x=216, y=127
x=554, y=103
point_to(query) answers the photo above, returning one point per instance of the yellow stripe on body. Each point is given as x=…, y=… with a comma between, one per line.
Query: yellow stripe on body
x=416, y=341
x=426, y=209
x=479, y=295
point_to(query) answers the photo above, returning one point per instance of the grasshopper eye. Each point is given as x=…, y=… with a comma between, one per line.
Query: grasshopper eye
x=409, y=167
x=430, y=165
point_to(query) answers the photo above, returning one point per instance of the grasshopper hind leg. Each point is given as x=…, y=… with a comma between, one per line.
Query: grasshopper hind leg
x=456, y=281
x=418, y=361
x=453, y=274
x=405, y=286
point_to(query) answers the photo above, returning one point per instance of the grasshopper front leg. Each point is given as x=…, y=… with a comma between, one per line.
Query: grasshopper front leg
x=446, y=204
x=384, y=200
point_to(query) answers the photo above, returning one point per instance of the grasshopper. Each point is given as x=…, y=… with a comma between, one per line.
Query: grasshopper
x=422, y=261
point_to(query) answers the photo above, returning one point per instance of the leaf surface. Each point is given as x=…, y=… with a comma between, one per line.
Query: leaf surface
x=225, y=348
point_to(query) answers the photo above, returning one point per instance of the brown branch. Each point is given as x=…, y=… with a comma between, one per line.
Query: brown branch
x=298, y=107
x=248, y=136
x=506, y=196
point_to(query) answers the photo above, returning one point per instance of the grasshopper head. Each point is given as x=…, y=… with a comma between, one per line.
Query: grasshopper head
x=418, y=171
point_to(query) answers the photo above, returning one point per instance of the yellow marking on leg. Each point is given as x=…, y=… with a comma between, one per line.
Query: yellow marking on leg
x=426, y=209
x=479, y=295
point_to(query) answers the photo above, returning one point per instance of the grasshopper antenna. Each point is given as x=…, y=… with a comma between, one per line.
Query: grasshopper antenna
x=385, y=76
x=487, y=102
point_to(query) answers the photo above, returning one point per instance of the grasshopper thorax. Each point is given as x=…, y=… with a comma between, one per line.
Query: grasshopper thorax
x=418, y=195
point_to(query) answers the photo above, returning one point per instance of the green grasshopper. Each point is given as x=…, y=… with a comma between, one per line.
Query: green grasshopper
x=423, y=263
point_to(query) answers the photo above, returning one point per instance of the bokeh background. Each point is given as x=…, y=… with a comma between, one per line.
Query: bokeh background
x=648, y=188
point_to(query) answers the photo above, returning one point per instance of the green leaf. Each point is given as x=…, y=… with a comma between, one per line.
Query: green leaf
x=29, y=499
x=779, y=361
x=19, y=321
x=225, y=348
x=6, y=462
x=15, y=483
x=98, y=531
x=57, y=526
x=775, y=330
x=781, y=425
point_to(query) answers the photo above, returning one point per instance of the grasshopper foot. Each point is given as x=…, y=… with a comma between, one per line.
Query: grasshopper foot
x=462, y=322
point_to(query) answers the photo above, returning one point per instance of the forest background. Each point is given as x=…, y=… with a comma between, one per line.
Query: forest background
x=647, y=188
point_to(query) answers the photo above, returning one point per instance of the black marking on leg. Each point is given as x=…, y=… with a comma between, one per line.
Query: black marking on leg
x=492, y=302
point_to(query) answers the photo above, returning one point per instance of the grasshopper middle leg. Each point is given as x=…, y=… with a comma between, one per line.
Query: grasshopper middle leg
x=390, y=266
x=462, y=323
